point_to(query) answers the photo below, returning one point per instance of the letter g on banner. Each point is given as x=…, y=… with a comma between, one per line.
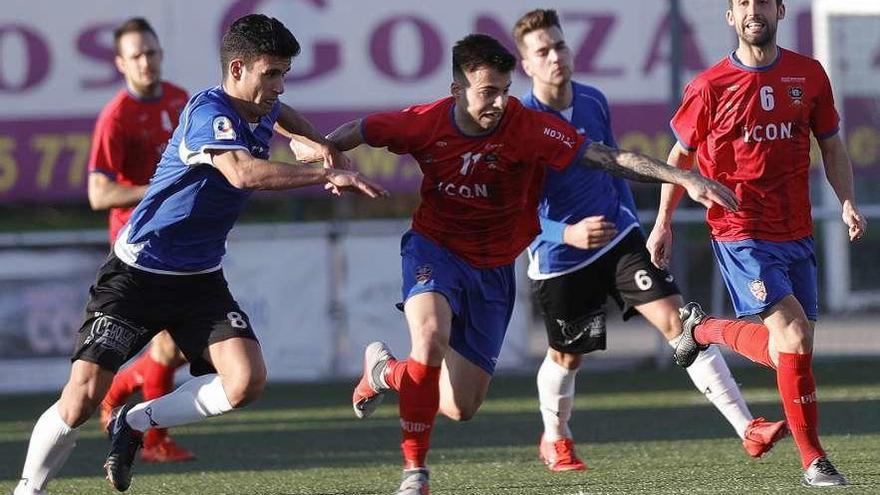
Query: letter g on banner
x=325, y=53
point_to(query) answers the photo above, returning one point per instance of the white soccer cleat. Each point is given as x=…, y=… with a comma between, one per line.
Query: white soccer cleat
x=415, y=482
x=821, y=472
x=371, y=388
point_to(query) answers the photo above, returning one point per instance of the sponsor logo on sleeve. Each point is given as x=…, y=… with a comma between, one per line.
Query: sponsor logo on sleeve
x=559, y=135
x=223, y=128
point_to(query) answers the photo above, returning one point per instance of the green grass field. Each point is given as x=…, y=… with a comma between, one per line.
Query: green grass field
x=642, y=432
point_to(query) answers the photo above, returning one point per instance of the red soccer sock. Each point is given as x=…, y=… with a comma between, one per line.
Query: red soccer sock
x=127, y=381
x=797, y=388
x=744, y=337
x=394, y=373
x=158, y=381
x=419, y=402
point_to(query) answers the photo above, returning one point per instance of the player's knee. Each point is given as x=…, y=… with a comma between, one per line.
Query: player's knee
x=429, y=337
x=461, y=412
x=568, y=360
x=799, y=335
x=244, y=388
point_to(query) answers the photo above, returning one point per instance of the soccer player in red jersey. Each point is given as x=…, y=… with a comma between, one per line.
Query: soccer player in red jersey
x=130, y=135
x=483, y=155
x=747, y=121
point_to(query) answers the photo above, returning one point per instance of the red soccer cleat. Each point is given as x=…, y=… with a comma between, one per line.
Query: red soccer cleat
x=762, y=435
x=560, y=455
x=166, y=451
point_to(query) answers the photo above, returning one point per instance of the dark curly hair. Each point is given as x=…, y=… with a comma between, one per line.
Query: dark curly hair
x=254, y=35
x=480, y=50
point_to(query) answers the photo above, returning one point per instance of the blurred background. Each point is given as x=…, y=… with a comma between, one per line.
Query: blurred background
x=319, y=276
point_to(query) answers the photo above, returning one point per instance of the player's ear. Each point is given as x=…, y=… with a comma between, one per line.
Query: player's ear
x=526, y=67
x=780, y=9
x=455, y=89
x=119, y=63
x=236, y=68
x=729, y=16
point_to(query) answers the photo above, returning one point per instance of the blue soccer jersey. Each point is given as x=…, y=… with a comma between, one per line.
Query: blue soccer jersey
x=181, y=225
x=575, y=193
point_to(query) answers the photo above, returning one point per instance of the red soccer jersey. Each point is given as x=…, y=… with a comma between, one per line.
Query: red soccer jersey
x=751, y=130
x=479, y=194
x=129, y=138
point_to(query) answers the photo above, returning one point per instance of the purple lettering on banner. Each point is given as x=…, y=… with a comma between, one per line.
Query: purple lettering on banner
x=325, y=54
x=92, y=44
x=692, y=60
x=37, y=58
x=491, y=26
x=599, y=26
x=431, y=49
x=244, y=7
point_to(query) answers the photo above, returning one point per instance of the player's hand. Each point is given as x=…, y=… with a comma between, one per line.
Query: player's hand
x=333, y=158
x=589, y=233
x=659, y=244
x=349, y=180
x=708, y=192
x=854, y=220
x=304, y=152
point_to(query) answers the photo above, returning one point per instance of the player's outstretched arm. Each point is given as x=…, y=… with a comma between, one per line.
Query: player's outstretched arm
x=838, y=170
x=347, y=136
x=638, y=167
x=659, y=242
x=244, y=171
x=308, y=144
x=105, y=193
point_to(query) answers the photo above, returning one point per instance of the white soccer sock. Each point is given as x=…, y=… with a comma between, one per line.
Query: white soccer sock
x=712, y=377
x=51, y=443
x=200, y=398
x=556, y=394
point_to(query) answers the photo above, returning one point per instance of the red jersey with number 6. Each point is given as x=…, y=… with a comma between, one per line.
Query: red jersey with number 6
x=129, y=138
x=750, y=127
x=479, y=193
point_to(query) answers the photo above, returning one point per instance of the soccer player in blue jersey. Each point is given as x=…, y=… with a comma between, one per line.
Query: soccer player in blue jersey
x=591, y=247
x=165, y=270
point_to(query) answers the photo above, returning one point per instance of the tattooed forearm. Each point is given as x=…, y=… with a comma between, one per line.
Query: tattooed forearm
x=632, y=165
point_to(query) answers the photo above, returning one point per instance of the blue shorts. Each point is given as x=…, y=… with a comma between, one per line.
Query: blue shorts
x=481, y=298
x=758, y=274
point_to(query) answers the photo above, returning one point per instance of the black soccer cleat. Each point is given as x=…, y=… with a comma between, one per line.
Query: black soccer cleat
x=124, y=444
x=687, y=349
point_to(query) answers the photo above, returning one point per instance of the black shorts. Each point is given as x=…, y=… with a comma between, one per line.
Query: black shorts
x=128, y=306
x=573, y=304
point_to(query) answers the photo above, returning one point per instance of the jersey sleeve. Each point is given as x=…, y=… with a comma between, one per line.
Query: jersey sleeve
x=824, y=121
x=556, y=143
x=107, y=155
x=209, y=127
x=690, y=124
x=401, y=132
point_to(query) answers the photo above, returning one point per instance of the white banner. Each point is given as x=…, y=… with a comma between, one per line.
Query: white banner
x=56, y=57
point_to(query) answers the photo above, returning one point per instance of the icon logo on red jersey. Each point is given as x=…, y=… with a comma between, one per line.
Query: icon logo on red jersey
x=561, y=136
x=757, y=288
